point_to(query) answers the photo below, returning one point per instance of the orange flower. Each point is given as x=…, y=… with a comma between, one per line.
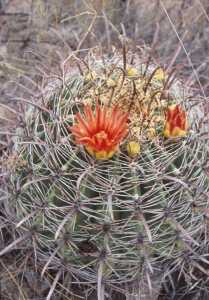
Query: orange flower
x=102, y=131
x=176, y=122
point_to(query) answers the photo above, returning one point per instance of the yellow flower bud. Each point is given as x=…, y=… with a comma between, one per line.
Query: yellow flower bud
x=132, y=72
x=111, y=83
x=151, y=133
x=133, y=148
x=90, y=76
x=159, y=75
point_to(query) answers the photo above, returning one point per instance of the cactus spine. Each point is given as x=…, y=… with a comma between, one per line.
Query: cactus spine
x=110, y=222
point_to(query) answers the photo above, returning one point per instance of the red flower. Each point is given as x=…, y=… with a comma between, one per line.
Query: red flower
x=176, y=122
x=102, y=131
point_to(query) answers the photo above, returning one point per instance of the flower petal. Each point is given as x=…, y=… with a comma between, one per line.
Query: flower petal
x=102, y=131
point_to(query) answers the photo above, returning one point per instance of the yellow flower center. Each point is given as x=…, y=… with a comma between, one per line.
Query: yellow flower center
x=102, y=154
x=101, y=135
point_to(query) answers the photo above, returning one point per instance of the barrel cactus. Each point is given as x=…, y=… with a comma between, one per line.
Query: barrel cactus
x=108, y=178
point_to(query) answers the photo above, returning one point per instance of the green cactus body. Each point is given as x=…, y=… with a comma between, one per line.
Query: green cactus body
x=111, y=223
